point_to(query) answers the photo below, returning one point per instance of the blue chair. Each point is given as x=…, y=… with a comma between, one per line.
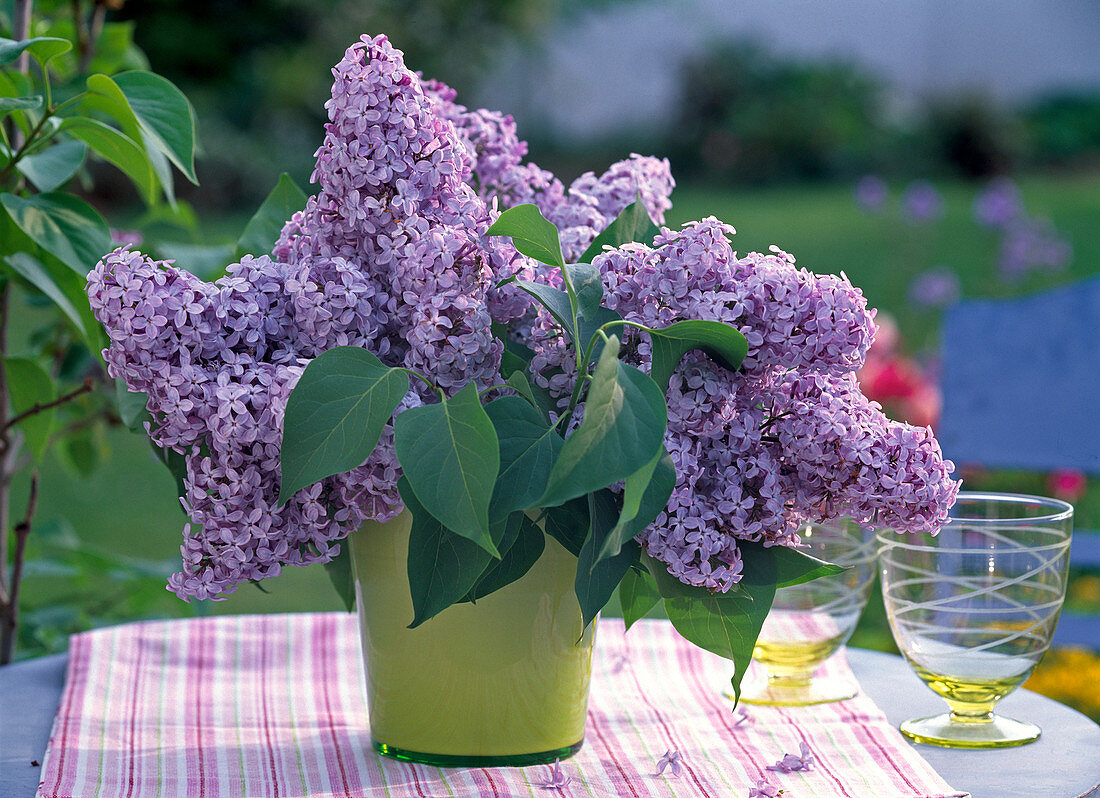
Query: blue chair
x=1021, y=390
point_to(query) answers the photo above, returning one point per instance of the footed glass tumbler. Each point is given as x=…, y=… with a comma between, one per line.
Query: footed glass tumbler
x=973, y=610
x=808, y=623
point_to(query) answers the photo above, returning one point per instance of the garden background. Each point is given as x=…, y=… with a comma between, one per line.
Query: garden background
x=927, y=165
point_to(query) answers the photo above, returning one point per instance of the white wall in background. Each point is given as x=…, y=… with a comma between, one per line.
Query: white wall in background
x=614, y=67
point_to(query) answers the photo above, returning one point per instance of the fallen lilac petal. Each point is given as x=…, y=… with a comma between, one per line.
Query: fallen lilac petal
x=558, y=780
x=670, y=760
x=741, y=717
x=794, y=762
x=765, y=789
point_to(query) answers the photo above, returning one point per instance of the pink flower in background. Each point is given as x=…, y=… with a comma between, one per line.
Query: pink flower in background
x=1067, y=484
x=906, y=390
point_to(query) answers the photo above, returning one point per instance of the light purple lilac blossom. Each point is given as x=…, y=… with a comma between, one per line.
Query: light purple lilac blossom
x=390, y=255
x=786, y=439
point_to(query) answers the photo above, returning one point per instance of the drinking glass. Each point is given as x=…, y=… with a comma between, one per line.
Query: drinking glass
x=973, y=609
x=808, y=623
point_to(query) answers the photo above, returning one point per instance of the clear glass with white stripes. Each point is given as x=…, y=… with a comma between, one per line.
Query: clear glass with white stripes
x=808, y=623
x=974, y=607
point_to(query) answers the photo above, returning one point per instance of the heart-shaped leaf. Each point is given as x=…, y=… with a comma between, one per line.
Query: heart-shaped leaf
x=568, y=524
x=335, y=415
x=9, y=104
x=791, y=566
x=723, y=343
x=451, y=456
x=623, y=425
x=532, y=234
x=528, y=447
x=53, y=167
x=155, y=106
x=443, y=567
x=726, y=624
x=118, y=149
x=631, y=225
x=645, y=495
x=32, y=270
x=263, y=229
x=65, y=226
x=43, y=48
x=637, y=595
x=520, y=552
x=597, y=578
x=30, y=385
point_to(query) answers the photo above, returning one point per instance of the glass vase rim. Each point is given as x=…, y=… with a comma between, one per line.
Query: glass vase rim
x=1060, y=510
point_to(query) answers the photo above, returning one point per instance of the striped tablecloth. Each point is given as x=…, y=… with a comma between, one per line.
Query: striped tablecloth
x=274, y=706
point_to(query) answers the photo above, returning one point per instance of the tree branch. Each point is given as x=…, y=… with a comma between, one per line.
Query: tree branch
x=11, y=608
x=36, y=408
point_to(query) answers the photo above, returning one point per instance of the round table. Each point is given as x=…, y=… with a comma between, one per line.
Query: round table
x=1063, y=763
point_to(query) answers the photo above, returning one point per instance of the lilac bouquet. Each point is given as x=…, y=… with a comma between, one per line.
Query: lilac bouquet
x=447, y=328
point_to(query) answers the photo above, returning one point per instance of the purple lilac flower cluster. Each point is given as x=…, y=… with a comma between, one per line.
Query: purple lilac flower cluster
x=390, y=255
x=788, y=438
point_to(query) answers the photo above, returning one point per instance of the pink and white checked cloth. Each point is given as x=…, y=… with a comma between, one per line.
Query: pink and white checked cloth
x=274, y=706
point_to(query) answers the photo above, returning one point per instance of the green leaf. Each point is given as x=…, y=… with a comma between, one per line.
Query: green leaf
x=726, y=624
x=623, y=425
x=30, y=385
x=118, y=149
x=528, y=447
x=631, y=225
x=65, y=226
x=54, y=166
x=207, y=261
x=9, y=104
x=131, y=406
x=342, y=576
x=518, y=382
x=532, y=234
x=588, y=285
x=443, y=567
x=450, y=455
x=520, y=553
x=568, y=524
x=645, y=495
x=176, y=464
x=263, y=229
x=555, y=301
x=597, y=578
x=79, y=454
x=791, y=566
x=335, y=415
x=32, y=270
x=42, y=48
x=157, y=108
x=637, y=595
x=723, y=343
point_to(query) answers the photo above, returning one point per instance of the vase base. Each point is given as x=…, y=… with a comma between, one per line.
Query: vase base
x=459, y=761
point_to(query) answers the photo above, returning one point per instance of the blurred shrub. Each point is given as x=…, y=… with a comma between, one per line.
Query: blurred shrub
x=1064, y=129
x=259, y=71
x=972, y=137
x=749, y=115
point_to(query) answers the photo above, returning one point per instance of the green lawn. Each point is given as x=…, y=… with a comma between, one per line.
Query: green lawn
x=129, y=505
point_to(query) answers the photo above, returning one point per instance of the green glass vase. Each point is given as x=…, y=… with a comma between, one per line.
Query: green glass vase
x=502, y=682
